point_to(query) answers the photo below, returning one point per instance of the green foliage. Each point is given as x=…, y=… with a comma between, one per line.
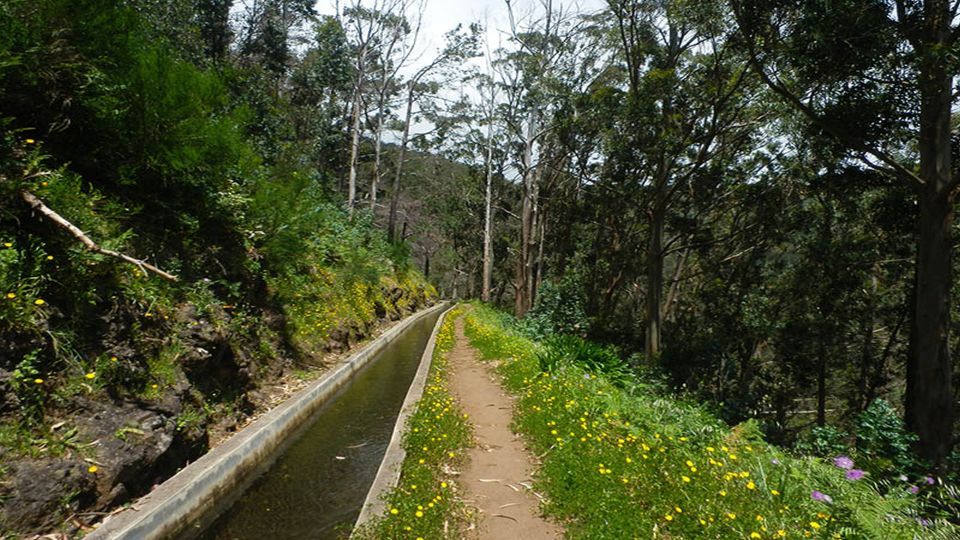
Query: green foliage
x=29, y=387
x=21, y=279
x=559, y=309
x=883, y=446
x=824, y=441
x=883, y=443
x=565, y=350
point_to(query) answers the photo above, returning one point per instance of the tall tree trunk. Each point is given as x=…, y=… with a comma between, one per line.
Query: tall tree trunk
x=822, y=383
x=866, y=351
x=929, y=398
x=488, y=218
x=531, y=261
x=541, y=235
x=354, y=152
x=377, y=159
x=669, y=305
x=378, y=139
x=658, y=217
x=655, y=276
x=527, y=223
x=395, y=188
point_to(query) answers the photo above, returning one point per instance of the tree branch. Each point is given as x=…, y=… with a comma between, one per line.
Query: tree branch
x=38, y=205
x=797, y=103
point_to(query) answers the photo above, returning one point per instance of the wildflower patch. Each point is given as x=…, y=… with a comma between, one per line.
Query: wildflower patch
x=628, y=461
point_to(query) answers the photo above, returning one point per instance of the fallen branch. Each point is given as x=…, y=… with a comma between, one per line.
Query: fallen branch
x=38, y=205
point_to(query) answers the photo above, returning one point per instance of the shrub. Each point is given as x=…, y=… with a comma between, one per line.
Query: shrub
x=823, y=441
x=559, y=309
x=566, y=350
x=883, y=442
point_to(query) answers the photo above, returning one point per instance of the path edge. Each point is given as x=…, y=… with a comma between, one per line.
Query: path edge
x=170, y=510
x=388, y=474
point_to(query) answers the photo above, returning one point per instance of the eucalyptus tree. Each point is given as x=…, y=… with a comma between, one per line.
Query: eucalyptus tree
x=368, y=28
x=266, y=32
x=543, y=41
x=689, y=105
x=397, y=44
x=460, y=45
x=215, y=32
x=320, y=94
x=489, y=101
x=876, y=76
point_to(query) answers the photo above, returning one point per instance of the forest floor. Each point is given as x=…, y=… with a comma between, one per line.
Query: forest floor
x=495, y=482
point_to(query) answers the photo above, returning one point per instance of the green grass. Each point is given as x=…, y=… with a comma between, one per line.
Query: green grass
x=628, y=461
x=423, y=504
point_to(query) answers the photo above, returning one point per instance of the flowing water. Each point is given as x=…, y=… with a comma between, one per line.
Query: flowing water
x=316, y=488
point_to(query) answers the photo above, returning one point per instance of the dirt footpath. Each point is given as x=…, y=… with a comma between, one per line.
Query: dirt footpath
x=496, y=480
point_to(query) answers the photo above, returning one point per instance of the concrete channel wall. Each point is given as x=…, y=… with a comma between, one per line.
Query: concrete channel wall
x=174, y=509
x=388, y=475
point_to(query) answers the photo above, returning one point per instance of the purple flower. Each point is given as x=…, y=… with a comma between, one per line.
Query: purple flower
x=930, y=481
x=923, y=521
x=914, y=490
x=822, y=497
x=843, y=462
x=855, y=474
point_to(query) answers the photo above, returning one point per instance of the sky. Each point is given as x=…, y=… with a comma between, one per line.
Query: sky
x=443, y=15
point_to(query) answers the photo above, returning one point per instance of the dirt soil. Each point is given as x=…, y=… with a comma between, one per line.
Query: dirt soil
x=496, y=480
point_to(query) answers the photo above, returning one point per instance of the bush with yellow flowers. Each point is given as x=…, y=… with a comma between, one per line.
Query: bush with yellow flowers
x=631, y=461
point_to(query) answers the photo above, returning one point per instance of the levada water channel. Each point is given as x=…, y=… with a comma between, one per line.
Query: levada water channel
x=316, y=487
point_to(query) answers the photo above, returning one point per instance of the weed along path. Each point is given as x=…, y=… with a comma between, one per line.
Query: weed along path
x=496, y=479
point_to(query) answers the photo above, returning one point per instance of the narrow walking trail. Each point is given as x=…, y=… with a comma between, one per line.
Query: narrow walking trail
x=496, y=480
